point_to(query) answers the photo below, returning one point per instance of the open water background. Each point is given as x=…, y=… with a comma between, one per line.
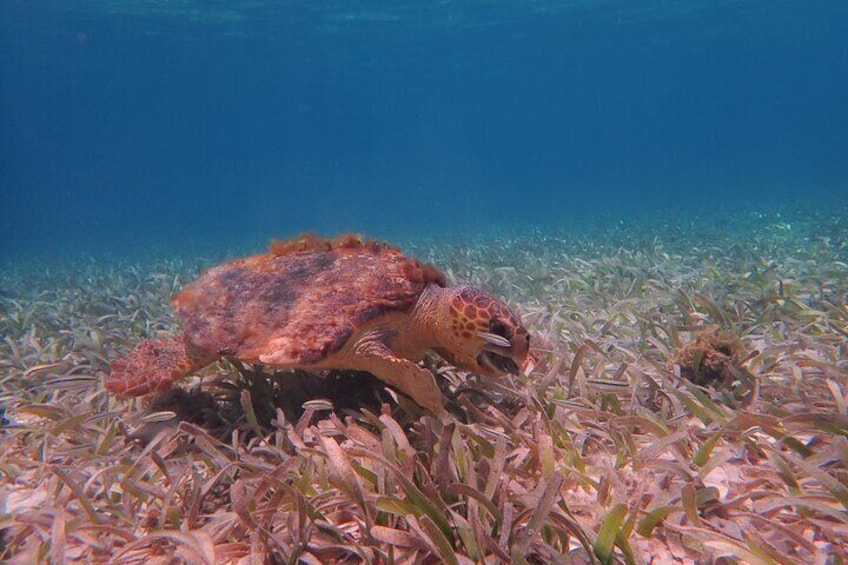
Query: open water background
x=132, y=126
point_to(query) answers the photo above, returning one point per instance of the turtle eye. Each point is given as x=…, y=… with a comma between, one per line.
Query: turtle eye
x=497, y=327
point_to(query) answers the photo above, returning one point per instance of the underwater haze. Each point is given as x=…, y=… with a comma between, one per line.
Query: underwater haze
x=130, y=125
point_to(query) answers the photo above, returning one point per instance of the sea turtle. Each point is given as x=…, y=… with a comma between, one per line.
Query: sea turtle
x=313, y=303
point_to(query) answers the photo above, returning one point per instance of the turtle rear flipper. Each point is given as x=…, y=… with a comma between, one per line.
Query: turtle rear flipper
x=155, y=364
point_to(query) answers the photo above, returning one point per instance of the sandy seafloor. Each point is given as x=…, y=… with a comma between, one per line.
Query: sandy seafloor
x=603, y=452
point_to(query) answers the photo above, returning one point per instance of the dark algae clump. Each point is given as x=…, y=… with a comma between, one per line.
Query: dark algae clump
x=713, y=358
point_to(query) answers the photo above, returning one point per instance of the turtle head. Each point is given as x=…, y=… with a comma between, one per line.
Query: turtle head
x=481, y=334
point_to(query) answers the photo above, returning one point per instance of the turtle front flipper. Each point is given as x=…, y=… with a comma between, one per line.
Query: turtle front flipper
x=419, y=384
x=153, y=365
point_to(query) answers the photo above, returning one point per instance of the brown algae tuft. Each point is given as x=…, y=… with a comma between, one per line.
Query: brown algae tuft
x=713, y=358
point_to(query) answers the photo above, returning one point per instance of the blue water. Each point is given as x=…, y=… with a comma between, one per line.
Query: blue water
x=133, y=124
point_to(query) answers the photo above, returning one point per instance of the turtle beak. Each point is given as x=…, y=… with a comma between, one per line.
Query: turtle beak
x=500, y=356
x=494, y=339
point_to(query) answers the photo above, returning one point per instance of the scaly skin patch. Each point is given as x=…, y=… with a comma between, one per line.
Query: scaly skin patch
x=154, y=365
x=473, y=312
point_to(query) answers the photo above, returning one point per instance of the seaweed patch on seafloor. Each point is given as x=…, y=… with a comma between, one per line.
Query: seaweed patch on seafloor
x=600, y=455
x=714, y=357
